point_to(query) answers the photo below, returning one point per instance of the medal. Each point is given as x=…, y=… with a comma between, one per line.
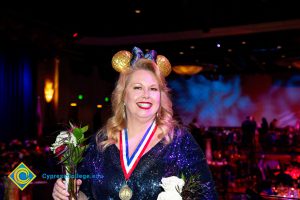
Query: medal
x=129, y=163
x=125, y=193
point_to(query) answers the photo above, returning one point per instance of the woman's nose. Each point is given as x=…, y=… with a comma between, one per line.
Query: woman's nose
x=146, y=93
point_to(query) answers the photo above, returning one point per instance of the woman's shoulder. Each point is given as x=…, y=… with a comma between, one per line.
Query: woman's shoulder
x=182, y=132
x=94, y=142
x=183, y=136
x=92, y=145
x=94, y=150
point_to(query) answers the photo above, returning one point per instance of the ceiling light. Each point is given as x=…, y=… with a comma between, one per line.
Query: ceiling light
x=187, y=69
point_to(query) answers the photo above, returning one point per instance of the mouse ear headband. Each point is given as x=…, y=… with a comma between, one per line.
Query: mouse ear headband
x=122, y=60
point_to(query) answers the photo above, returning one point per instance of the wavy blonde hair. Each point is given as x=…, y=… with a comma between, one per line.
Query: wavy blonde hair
x=108, y=135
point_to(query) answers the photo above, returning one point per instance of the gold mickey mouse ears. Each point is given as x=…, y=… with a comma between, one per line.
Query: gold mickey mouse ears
x=122, y=61
x=164, y=65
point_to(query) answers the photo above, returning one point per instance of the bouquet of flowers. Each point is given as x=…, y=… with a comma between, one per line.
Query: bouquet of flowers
x=179, y=188
x=69, y=148
x=191, y=188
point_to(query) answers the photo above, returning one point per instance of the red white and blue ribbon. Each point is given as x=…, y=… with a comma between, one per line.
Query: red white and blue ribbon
x=129, y=163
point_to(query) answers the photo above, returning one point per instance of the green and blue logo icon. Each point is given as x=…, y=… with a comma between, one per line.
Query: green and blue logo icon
x=22, y=176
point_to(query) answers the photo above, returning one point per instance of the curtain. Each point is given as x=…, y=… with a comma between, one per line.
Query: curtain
x=17, y=95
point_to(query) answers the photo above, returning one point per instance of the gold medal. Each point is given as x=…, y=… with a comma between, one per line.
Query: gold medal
x=128, y=163
x=125, y=193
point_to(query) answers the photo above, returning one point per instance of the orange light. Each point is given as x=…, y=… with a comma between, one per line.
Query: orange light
x=48, y=91
x=99, y=106
x=73, y=104
x=187, y=69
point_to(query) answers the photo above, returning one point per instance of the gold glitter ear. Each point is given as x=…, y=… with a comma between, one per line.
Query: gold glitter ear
x=164, y=65
x=121, y=61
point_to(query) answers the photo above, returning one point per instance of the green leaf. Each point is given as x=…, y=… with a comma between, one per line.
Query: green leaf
x=77, y=133
x=64, y=159
x=84, y=129
x=82, y=148
x=183, y=177
x=82, y=140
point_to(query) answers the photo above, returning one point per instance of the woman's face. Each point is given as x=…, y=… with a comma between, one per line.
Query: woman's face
x=142, y=95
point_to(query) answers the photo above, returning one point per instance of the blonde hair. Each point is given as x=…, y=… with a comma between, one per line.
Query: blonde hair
x=108, y=135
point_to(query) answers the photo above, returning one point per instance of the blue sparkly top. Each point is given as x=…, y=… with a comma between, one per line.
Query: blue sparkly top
x=103, y=176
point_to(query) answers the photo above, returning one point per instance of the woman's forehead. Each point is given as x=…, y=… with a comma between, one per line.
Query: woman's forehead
x=143, y=76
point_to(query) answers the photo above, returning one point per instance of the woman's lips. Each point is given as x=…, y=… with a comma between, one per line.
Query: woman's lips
x=144, y=105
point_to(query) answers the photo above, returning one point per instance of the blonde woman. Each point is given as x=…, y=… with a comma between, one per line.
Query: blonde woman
x=141, y=143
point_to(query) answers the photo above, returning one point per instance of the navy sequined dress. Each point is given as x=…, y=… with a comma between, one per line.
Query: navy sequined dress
x=182, y=156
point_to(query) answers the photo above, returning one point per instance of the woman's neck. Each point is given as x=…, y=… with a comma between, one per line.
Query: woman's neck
x=137, y=128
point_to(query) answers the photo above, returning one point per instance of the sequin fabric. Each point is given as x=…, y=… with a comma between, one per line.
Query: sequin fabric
x=104, y=176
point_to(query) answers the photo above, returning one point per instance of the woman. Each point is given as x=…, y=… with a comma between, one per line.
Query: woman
x=141, y=143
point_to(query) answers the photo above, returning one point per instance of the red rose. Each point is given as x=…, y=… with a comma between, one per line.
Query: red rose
x=59, y=150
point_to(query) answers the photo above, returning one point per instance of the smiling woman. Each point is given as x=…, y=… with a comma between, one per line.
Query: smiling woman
x=142, y=96
x=142, y=145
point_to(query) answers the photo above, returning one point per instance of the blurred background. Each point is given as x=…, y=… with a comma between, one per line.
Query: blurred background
x=235, y=83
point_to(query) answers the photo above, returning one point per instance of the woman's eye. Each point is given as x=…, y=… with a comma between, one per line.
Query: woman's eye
x=137, y=87
x=154, y=89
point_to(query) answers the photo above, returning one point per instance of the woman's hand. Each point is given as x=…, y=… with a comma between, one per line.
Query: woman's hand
x=60, y=191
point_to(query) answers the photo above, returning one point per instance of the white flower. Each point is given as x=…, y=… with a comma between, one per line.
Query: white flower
x=64, y=137
x=173, y=187
x=169, y=196
x=73, y=140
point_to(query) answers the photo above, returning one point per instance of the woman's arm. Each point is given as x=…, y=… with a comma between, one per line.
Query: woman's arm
x=193, y=164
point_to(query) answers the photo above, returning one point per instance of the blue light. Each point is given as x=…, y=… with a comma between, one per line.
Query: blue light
x=215, y=102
